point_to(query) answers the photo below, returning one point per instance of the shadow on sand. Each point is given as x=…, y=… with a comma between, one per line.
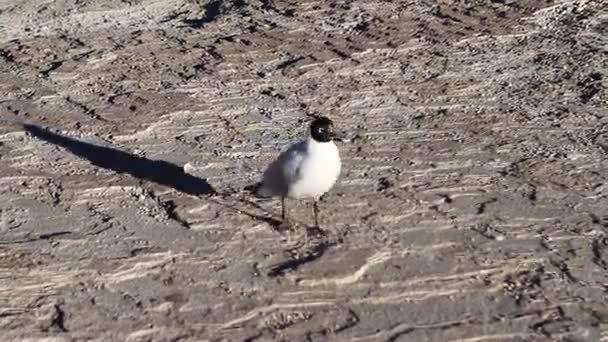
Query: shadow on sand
x=157, y=171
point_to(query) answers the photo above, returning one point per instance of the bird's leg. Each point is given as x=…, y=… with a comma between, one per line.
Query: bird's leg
x=283, y=216
x=315, y=211
x=316, y=230
x=285, y=225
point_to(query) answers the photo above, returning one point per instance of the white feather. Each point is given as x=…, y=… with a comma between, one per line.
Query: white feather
x=307, y=169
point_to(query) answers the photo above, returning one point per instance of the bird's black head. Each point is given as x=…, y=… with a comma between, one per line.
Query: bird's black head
x=322, y=129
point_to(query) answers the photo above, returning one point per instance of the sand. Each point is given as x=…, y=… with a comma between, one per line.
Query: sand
x=472, y=206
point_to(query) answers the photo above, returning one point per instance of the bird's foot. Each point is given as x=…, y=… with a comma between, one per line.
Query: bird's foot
x=316, y=231
x=284, y=226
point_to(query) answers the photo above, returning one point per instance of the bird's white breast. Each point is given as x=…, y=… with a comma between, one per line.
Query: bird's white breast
x=318, y=170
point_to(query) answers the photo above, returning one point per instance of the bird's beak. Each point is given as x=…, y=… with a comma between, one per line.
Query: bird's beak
x=339, y=136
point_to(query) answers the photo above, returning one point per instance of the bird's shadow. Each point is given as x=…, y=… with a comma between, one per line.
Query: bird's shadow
x=276, y=224
x=157, y=171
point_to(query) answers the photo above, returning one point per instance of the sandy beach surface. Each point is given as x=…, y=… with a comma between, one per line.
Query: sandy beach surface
x=472, y=205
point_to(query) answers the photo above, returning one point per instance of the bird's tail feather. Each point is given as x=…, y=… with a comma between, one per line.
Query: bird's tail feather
x=258, y=190
x=253, y=188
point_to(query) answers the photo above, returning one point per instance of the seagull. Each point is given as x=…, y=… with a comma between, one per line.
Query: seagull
x=306, y=170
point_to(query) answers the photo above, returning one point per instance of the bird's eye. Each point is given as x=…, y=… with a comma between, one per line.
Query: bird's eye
x=321, y=130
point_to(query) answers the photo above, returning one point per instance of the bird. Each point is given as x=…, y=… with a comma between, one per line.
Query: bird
x=306, y=170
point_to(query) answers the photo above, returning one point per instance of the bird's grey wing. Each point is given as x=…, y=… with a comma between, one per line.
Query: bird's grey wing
x=282, y=172
x=293, y=162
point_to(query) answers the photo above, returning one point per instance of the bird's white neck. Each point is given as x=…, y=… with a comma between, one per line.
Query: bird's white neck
x=314, y=144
